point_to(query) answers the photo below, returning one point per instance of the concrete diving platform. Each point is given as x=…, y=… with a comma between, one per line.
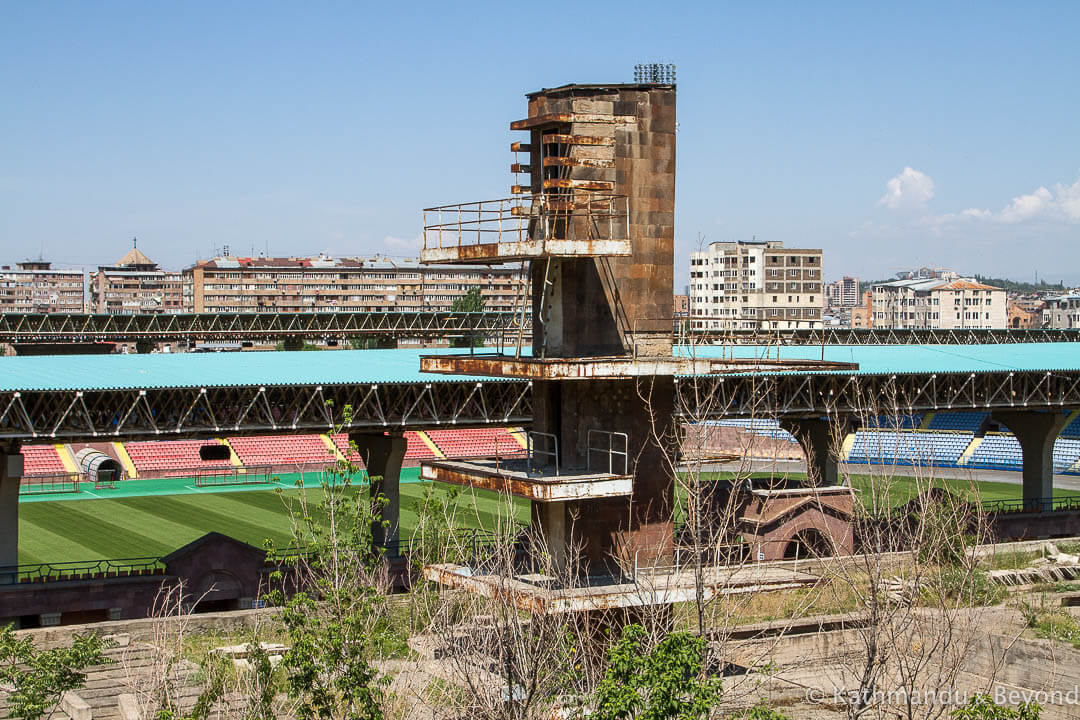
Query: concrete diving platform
x=515, y=478
x=540, y=593
x=528, y=249
x=612, y=367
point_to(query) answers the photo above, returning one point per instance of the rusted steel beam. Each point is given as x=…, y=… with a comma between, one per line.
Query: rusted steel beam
x=577, y=162
x=561, y=139
x=519, y=168
x=520, y=147
x=571, y=184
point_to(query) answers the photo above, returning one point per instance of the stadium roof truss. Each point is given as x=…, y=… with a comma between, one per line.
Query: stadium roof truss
x=85, y=327
x=817, y=395
x=883, y=336
x=174, y=412
x=162, y=327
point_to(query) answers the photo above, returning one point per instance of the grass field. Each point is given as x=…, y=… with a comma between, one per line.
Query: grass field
x=155, y=525
x=166, y=514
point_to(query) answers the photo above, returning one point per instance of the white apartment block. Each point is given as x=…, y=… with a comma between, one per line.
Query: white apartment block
x=842, y=293
x=755, y=286
x=939, y=304
x=34, y=287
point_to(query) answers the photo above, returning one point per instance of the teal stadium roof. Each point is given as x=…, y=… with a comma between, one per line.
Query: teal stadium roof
x=919, y=359
x=115, y=372
x=217, y=369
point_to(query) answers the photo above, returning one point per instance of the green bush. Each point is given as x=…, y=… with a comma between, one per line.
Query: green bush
x=761, y=711
x=983, y=707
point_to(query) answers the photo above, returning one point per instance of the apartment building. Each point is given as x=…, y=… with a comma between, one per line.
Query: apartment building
x=135, y=285
x=938, y=304
x=35, y=287
x=862, y=315
x=328, y=284
x=842, y=293
x=755, y=285
x=1062, y=312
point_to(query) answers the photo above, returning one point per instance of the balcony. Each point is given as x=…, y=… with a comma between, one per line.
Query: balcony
x=540, y=476
x=527, y=227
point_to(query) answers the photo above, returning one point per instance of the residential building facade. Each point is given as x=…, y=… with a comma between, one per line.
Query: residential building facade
x=755, y=285
x=842, y=293
x=938, y=304
x=35, y=287
x=1062, y=312
x=135, y=285
x=862, y=315
x=327, y=284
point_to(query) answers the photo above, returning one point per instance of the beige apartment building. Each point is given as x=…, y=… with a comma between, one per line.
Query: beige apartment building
x=327, y=284
x=135, y=285
x=756, y=285
x=939, y=304
x=35, y=287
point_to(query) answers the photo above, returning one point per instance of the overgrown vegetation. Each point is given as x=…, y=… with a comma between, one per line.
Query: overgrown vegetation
x=983, y=707
x=336, y=618
x=666, y=682
x=35, y=679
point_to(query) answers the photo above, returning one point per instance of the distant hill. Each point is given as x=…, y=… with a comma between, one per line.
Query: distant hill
x=1004, y=283
x=1020, y=287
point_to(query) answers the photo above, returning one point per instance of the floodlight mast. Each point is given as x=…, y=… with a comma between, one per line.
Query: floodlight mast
x=654, y=73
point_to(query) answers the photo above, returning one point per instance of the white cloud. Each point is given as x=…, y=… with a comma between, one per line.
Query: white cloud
x=910, y=190
x=1069, y=200
x=398, y=243
x=1026, y=207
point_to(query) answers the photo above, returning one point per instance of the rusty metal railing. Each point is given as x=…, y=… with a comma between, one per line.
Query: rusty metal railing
x=543, y=216
x=549, y=450
x=609, y=446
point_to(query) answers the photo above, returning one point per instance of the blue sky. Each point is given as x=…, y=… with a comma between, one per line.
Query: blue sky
x=889, y=134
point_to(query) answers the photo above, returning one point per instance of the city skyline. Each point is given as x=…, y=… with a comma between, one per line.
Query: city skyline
x=890, y=137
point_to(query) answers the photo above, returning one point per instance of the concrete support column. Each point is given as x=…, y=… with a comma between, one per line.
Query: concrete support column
x=1036, y=432
x=11, y=471
x=818, y=438
x=383, y=455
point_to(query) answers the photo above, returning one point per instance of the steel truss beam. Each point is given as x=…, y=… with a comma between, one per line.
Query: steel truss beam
x=61, y=327
x=847, y=336
x=206, y=412
x=212, y=411
x=806, y=395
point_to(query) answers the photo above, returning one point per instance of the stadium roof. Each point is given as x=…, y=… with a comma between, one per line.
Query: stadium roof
x=922, y=359
x=224, y=369
x=112, y=372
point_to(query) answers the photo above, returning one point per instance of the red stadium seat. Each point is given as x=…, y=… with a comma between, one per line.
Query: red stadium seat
x=171, y=457
x=282, y=450
x=41, y=460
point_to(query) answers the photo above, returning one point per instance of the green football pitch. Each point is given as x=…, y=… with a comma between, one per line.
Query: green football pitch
x=151, y=518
